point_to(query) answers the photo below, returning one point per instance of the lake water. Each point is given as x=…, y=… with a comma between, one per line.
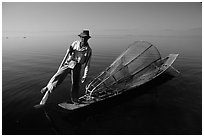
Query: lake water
x=28, y=64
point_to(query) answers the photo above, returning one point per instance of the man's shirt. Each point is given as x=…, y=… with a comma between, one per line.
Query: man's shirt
x=78, y=53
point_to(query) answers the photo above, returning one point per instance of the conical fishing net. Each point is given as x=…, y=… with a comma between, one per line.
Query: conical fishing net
x=133, y=67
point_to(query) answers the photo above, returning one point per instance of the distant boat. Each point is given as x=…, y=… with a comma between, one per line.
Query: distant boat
x=24, y=37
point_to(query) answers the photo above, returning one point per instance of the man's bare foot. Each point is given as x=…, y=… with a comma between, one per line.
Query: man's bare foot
x=44, y=90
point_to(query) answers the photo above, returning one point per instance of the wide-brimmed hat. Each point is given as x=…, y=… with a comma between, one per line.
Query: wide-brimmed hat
x=85, y=33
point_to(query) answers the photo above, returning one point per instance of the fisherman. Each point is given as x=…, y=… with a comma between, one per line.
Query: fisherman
x=76, y=60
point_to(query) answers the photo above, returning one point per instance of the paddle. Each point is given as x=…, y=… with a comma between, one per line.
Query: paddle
x=45, y=97
x=43, y=101
x=42, y=106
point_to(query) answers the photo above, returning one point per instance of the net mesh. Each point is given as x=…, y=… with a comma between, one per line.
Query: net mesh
x=132, y=67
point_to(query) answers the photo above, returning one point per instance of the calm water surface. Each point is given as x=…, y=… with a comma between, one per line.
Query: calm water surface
x=29, y=63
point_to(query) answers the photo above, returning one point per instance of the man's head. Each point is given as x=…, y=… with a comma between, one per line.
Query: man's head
x=84, y=36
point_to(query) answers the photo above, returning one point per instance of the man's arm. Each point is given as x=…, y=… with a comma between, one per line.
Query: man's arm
x=87, y=65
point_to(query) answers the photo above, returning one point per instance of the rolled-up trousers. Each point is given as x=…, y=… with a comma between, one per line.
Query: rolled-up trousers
x=57, y=79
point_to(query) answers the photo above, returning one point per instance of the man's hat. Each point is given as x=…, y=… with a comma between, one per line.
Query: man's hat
x=85, y=33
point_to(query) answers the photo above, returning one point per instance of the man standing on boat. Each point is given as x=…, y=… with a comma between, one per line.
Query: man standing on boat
x=76, y=60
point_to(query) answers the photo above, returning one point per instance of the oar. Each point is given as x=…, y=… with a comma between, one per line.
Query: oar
x=42, y=105
x=64, y=59
x=45, y=97
x=43, y=101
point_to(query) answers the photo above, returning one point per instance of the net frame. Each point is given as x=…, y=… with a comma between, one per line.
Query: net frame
x=102, y=84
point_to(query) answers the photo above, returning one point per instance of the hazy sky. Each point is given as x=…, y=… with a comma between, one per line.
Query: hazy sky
x=100, y=18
